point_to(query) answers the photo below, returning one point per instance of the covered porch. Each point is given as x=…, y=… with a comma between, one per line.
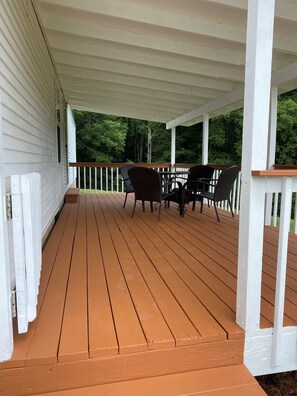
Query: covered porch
x=123, y=299
x=170, y=293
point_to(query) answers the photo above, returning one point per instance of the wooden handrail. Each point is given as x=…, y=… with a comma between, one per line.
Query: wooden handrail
x=275, y=172
x=154, y=165
x=115, y=165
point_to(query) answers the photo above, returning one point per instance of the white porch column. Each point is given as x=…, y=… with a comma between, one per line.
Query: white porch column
x=205, y=139
x=271, y=148
x=254, y=156
x=173, y=140
x=6, y=338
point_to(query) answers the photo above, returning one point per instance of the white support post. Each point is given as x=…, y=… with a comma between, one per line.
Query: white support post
x=271, y=148
x=173, y=145
x=282, y=254
x=254, y=156
x=6, y=338
x=205, y=139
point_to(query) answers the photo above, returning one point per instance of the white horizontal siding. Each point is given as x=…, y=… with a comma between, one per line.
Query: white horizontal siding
x=28, y=83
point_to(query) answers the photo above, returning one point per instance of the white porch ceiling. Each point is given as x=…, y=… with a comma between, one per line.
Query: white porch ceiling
x=160, y=59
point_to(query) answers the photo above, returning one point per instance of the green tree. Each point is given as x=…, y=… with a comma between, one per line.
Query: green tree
x=104, y=138
x=147, y=141
x=225, y=138
x=189, y=144
x=286, y=148
x=100, y=138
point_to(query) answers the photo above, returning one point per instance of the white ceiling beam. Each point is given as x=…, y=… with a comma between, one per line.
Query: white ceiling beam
x=121, y=111
x=87, y=84
x=166, y=14
x=283, y=8
x=142, y=71
x=120, y=103
x=279, y=78
x=284, y=75
x=152, y=103
x=174, y=43
x=208, y=108
x=116, y=112
x=216, y=113
x=138, y=56
x=208, y=88
x=151, y=110
x=212, y=20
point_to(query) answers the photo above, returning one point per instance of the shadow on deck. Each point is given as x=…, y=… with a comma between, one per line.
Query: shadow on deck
x=124, y=299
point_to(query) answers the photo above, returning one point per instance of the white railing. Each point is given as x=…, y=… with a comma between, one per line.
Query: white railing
x=274, y=211
x=106, y=177
x=273, y=204
x=274, y=349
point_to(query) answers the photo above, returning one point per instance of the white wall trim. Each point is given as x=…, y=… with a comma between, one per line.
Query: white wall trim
x=6, y=339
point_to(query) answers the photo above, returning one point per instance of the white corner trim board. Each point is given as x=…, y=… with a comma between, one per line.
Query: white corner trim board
x=258, y=352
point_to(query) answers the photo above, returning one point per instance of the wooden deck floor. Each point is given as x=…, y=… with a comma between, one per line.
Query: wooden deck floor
x=122, y=298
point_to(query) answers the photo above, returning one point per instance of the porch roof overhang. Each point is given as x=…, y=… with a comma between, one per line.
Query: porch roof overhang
x=167, y=61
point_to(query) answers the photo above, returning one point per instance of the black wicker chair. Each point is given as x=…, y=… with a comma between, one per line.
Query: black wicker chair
x=147, y=186
x=190, y=190
x=222, y=188
x=128, y=185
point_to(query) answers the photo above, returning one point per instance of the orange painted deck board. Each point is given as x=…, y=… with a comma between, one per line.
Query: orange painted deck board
x=181, y=326
x=156, y=331
x=206, y=325
x=102, y=333
x=129, y=332
x=74, y=335
x=123, y=299
x=45, y=340
x=231, y=380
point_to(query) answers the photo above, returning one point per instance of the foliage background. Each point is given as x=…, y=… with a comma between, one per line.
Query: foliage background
x=106, y=138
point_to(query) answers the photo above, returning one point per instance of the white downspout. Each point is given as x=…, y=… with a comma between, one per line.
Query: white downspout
x=205, y=137
x=173, y=143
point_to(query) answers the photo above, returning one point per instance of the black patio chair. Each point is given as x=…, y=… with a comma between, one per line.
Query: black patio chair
x=147, y=186
x=127, y=182
x=222, y=188
x=190, y=190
